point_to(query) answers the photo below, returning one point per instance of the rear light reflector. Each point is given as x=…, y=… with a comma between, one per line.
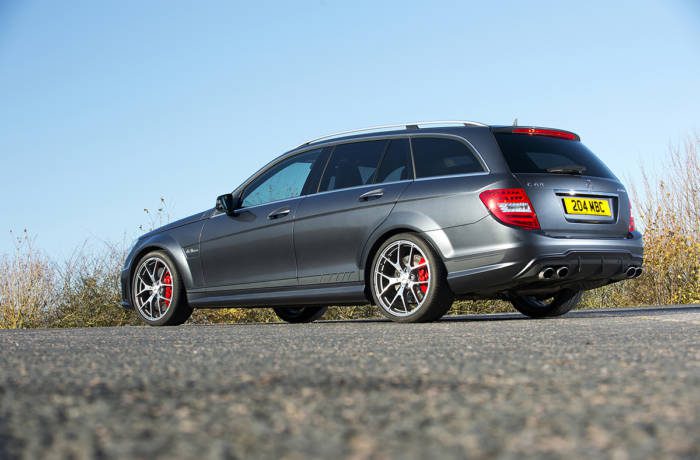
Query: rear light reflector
x=632, y=226
x=546, y=132
x=511, y=206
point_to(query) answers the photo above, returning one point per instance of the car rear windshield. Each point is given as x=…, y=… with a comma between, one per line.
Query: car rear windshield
x=537, y=154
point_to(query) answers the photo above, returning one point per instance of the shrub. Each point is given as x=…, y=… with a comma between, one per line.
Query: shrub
x=27, y=286
x=89, y=293
x=668, y=213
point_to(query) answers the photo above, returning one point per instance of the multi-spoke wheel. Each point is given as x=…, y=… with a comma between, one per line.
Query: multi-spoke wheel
x=408, y=281
x=299, y=314
x=157, y=292
x=547, y=306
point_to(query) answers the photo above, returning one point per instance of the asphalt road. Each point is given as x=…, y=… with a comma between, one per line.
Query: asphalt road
x=619, y=384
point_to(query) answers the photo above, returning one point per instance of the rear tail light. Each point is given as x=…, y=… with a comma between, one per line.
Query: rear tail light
x=632, y=227
x=547, y=132
x=512, y=207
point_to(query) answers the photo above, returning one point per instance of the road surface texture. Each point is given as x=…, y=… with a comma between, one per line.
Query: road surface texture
x=614, y=384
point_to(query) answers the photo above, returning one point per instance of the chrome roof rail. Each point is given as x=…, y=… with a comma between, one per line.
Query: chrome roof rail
x=414, y=125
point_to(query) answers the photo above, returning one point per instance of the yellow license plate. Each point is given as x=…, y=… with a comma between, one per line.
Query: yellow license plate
x=587, y=206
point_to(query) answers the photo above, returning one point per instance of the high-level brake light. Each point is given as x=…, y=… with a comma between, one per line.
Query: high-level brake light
x=546, y=132
x=511, y=206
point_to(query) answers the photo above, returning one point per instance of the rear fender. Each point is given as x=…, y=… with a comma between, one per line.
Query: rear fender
x=400, y=222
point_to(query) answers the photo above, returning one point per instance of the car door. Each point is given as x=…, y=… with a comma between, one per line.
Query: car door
x=361, y=183
x=254, y=248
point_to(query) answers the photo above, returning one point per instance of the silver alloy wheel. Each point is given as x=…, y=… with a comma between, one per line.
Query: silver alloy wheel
x=401, y=278
x=153, y=288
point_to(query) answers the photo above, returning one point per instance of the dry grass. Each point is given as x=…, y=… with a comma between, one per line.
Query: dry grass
x=27, y=286
x=668, y=212
x=84, y=290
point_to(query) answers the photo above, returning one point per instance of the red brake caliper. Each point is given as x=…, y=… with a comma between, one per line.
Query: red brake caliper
x=422, y=276
x=168, y=289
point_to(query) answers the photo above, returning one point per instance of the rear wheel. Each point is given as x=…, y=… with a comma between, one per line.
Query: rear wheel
x=556, y=305
x=157, y=291
x=409, y=281
x=299, y=314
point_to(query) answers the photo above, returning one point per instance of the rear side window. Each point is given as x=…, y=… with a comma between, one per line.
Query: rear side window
x=396, y=163
x=435, y=156
x=536, y=154
x=352, y=165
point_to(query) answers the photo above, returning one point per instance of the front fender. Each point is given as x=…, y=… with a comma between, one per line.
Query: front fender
x=167, y=243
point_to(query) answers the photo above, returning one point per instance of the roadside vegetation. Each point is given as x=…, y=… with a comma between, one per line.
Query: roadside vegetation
x=83, y=291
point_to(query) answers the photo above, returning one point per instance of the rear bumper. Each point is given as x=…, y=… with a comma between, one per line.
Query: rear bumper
x=507, y=260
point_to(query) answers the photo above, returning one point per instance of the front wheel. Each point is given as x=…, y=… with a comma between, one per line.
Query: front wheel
x=409, y=281
x=299, y=314
x=556, y=305
x=157, y=291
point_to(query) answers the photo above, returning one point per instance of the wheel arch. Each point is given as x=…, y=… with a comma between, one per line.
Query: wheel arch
x=381, y=238
x=170, y=247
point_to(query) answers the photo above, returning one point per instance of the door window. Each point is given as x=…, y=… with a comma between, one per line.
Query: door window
x=396, y=164
x=437, y=156
x=352, y=165
x=283, y=181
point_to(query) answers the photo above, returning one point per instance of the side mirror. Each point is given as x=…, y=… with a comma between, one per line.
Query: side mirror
x=228, y=203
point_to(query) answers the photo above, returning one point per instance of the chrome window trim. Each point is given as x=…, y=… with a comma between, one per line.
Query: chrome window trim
x=480, y=173
x=372, y=185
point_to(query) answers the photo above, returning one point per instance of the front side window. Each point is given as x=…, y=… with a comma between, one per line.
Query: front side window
x=352, y=165
x=283, y=181
x=437, y=156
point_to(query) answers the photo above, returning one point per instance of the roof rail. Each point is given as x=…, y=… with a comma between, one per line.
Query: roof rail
x=414, y=125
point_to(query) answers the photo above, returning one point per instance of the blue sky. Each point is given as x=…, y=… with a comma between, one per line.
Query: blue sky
x=107, y=106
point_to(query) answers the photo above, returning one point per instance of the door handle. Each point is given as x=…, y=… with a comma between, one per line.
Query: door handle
x=372, y=195
x=279, y=213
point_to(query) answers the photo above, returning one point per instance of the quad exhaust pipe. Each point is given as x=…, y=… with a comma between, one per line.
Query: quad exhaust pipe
x=562, y=272
x=551, y=273
x=557, y=273
x=633, y=272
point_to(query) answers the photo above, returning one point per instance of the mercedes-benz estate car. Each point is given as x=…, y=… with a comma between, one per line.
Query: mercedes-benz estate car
x=408, y=218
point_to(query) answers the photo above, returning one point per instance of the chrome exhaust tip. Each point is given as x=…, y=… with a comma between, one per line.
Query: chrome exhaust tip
x=562, y=272
x=638, y=272
x=546, y=273
x=631, y=272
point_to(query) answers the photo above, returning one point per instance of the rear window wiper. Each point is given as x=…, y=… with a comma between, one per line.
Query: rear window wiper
x=568, y=169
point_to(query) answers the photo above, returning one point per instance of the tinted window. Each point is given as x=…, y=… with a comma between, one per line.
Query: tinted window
x=534, y=154
x=286, y=180
x=352, y=165
x=442, y=157
x=396, y=164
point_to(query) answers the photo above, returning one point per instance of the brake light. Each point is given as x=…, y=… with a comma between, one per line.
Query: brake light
x=632, y=227
x=546, y=132
x=511, y=206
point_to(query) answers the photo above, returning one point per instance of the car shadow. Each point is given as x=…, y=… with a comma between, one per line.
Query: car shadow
x=602, y=313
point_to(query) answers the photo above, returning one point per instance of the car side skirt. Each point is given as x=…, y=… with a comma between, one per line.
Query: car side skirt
x=339, y=294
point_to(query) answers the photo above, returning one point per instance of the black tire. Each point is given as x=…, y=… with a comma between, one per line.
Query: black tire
x=299, y=314
x=557, y=305
x=178, y=311
x=438, y=297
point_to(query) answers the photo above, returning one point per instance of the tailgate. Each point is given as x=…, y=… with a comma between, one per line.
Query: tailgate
x=573, y=193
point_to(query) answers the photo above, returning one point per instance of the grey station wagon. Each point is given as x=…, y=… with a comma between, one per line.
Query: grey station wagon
x=409, y=218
